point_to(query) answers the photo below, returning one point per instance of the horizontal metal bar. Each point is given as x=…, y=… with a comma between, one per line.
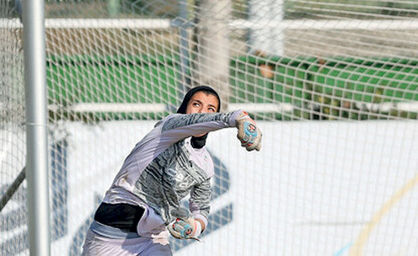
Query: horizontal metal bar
x=250, y=107
x=352, y=24
x=114, y=107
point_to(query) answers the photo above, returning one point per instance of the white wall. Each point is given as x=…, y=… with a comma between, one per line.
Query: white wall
x=312, y=189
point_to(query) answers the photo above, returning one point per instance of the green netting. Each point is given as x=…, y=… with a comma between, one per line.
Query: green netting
x=301, y=82
x=116, y=80
x=367, y=83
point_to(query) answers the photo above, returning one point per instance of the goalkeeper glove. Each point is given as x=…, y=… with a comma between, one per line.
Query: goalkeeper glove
x=183, y=228
x=248, y=132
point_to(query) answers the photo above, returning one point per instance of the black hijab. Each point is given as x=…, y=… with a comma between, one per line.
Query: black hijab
x=191, y=92
x=198, y=142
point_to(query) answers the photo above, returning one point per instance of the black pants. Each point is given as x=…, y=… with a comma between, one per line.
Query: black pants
x=122, y=216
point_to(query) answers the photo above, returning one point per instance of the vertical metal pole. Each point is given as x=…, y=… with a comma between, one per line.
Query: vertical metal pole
x=266, y=39
x=36, y=127
x=185, y=82
x=214, y=47
x=113, y=7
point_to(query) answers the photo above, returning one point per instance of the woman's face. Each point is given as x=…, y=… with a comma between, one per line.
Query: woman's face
x=202, y=102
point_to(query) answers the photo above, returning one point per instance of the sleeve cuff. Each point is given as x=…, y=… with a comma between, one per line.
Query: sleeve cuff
x=233, y=118
x=201, y=217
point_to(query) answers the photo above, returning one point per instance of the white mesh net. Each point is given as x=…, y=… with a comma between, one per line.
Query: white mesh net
x=13, y=231
x=346, y=185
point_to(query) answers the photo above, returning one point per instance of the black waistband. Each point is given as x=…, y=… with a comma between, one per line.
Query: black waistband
x=122, y=216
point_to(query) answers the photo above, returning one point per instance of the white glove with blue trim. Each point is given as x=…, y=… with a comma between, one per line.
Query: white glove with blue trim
x=182, y=228
x=248, y=132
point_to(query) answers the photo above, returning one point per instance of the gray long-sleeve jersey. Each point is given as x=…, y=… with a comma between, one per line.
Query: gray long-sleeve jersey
x=163, y=168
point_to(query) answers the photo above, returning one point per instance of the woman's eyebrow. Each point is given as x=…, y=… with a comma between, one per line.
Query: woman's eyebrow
x=198, y=101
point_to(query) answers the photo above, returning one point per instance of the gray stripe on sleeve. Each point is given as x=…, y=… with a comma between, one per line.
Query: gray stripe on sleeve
x=183, y=120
